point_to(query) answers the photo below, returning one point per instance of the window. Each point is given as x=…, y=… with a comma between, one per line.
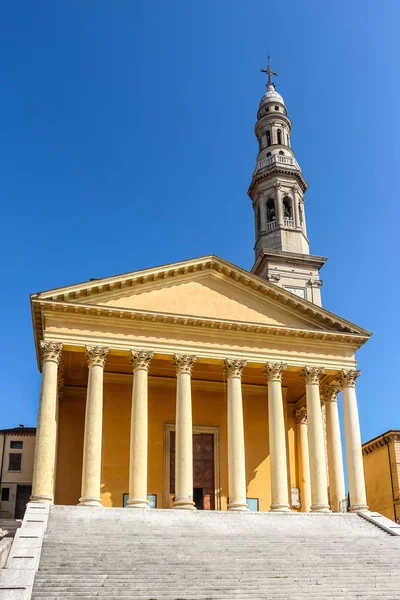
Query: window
x=287, y=208
x=16, y=445
x=268, y=138
x=14, y=461
x=279, y=133
x=268, y=153
x=281, y=153
x=276, y=107
x=5, y=494
x=267, y=109
x=252, y=504
x=271, y=216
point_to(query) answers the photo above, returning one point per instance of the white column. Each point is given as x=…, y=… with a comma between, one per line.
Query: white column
x=278, y=204
x=300, y=417
x=46, y=432
x=355, y=466
x=91, y=469
x=296, y=215
x=139, y=431
x=277, y=438
x=316, y=444
x=334, y=444
x=236, y=452
x=184, y=434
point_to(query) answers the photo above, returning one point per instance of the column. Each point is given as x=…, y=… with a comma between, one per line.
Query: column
x=316, y=445
x=278, y=204
x=300, y=417
x=139, y=431
x=91, y=469
x=236, y=454
x=184, y=434
x=263, y=212
x=46, y=432
x=334, y=444
x=355, y=466
x=295, y=206
x=277, y=438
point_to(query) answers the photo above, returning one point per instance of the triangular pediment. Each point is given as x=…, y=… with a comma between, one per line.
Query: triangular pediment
x=208, y=287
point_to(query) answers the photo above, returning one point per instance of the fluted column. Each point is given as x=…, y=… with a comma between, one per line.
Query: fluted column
x=139, y=431
x=319, y=483
x=277, y=438
x=184, y=434
x=91, y=469
x=355, y=465
x=236, y=452
x=46, y=432
x=300, y=417
x=334, y=444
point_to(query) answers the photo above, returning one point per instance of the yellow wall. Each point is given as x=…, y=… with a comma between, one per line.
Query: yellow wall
x=378, y=482
x=209, y=409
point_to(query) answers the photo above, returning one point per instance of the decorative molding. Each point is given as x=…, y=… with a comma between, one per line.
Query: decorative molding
x=300, y=416
x=277, y=185
x=141, y=359
x=274, y=371
x=184, y=363
x=50, y=351
x=312, y=375
x=330, y=393
x=234, y=367
x=315, y=283
x=348, y=378
x=96, y=356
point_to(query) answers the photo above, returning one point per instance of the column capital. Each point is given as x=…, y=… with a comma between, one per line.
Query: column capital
x=141, y=359
x=50, y=351
x=96, y=356
x=184, y=363
x=312, y=374
x=300, y=416
x=234, y=367
x=348, y=378
x=273, y=371
x=330, y=393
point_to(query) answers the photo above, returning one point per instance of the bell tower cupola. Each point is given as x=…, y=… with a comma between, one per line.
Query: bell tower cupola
x=277, y=191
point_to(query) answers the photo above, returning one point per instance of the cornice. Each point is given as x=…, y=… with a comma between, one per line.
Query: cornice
x=276, y=169
x=381, y=441
x=39, y=307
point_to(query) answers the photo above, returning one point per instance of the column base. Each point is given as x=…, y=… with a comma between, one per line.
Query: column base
x=88, y=501
x=280, y=508
x=184, y=505
x=320, y=508
x=43, y=498
x=137, y=503
x=358, y=508
x=238, y=506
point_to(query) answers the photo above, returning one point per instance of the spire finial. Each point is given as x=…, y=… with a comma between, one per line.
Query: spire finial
x=269, y=72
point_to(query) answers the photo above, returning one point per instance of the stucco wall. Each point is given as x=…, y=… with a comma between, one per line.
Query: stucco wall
x=378, y=482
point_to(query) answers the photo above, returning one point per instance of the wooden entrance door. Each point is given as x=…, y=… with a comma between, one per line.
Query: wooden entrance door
x=22, y=499
x=203, y=470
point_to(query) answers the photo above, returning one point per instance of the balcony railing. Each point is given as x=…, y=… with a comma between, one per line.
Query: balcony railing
x=288, y=222
x=271, y=225
x=276, y=158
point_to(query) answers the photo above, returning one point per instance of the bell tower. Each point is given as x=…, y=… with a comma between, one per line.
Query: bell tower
x=277, y=191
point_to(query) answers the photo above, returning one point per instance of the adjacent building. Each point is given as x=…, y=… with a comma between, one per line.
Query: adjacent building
x=199, y=384
x=382, y=473
x=17, y=447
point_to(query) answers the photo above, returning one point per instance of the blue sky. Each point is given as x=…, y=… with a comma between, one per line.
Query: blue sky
x=127, y=141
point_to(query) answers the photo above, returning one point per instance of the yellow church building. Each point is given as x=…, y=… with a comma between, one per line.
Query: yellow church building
x=199, y=385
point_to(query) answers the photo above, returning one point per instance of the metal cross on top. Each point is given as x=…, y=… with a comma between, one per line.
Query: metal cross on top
x=269, y=72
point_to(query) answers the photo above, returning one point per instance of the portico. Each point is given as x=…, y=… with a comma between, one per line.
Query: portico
x=256, y=386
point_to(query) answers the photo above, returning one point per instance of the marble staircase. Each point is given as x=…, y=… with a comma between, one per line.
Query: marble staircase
x=205, y=555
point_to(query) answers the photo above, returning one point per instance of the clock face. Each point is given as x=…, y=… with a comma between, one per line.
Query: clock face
x=301, y=292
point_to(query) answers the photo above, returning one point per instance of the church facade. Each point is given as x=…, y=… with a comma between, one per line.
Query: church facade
x=199, y=384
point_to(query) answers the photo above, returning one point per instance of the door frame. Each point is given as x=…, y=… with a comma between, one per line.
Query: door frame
x=168, y=427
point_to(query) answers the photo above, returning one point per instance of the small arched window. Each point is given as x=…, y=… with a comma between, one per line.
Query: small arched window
x=271, y=215
x=281, y=152
x=287, y=208
x=279, y=133
x=268, y=137
x=267, y=109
